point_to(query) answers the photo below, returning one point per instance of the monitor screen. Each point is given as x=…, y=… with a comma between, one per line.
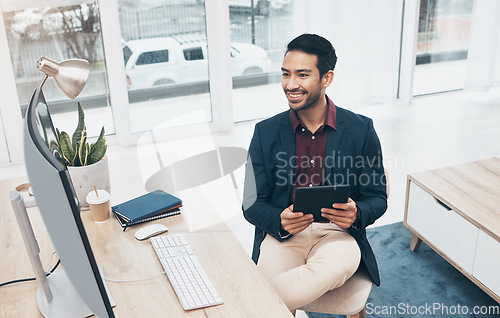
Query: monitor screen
x=59, y=207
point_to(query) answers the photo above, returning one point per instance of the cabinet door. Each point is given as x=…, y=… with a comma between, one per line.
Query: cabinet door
x=487, y=262
x=442, y=227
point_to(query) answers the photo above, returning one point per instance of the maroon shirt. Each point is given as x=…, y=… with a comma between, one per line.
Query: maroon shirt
x=310, y=149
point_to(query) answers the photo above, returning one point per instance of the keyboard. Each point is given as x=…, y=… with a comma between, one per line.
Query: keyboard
x=188, y=278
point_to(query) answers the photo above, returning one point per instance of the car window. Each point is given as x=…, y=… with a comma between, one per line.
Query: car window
x=193, y=54
x=127, y=53
x=152, y=57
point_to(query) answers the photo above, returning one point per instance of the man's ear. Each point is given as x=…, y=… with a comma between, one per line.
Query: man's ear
x=327, y=78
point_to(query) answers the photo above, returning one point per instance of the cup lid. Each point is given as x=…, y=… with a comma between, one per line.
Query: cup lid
x=92, y=198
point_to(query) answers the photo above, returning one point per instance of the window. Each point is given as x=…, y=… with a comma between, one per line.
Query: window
x=154, y=57
x=442, y=45
x=60, y=33
x=164, y=94
x=193, y=54
x=259, y=35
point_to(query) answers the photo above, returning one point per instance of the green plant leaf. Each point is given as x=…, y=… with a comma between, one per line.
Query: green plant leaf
x=87, y=152
x=82, y=151
x=101, y=135
x=80, y=128
x=97, y=151
x=67, y=151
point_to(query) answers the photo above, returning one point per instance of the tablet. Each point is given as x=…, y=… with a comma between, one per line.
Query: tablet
x=311, y=200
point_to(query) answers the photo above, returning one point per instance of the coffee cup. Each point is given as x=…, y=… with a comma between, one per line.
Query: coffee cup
x=99, y=205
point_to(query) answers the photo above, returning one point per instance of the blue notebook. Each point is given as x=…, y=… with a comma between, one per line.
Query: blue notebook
x=147, y=205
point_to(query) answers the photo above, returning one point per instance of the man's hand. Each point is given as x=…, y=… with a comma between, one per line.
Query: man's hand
x=342, y=214
x=295, y=222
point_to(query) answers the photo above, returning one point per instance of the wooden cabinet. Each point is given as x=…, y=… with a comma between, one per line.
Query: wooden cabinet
x=456, y=211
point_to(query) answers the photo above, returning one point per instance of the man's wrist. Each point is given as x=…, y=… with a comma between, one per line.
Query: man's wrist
x=356, y=225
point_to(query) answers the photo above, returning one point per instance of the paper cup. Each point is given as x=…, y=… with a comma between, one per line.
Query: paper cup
x=99, y=205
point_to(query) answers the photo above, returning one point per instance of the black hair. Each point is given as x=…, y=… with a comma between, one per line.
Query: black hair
x=317, y=45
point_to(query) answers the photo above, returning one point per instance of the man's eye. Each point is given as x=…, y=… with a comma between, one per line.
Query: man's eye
x=285, y=74
x=303, y=75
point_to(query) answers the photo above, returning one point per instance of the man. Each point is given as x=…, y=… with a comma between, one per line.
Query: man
x=313, y=143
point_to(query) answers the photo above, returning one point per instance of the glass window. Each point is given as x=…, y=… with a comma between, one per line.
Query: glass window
x=165, y=94
x=154, y=57
x=193, y=54
x=127, y=53
x=442, y=45
x=60, y=33
x=259, y=35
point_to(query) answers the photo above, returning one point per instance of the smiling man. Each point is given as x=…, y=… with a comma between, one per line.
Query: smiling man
x=313, y=143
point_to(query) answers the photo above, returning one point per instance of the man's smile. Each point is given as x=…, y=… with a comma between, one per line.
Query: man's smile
x=295, y=96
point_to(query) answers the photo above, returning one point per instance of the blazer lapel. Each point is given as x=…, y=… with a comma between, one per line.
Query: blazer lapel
x=287, y=139
x=333, y=144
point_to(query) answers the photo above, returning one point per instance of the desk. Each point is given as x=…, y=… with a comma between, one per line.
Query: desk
x=456, y=211
x=245, y=291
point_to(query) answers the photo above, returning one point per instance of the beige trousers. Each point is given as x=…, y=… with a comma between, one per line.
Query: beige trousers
x=310, y=263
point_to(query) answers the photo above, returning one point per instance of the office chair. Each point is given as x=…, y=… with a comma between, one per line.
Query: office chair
x=350, y=298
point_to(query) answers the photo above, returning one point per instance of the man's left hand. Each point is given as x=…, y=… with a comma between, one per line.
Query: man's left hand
x=342, y=214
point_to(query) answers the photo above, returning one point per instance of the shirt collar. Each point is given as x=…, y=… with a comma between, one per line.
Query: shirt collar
x=330, y=120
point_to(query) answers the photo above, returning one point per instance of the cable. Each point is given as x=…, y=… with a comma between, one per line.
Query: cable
x=134, y=280
x=32, y=278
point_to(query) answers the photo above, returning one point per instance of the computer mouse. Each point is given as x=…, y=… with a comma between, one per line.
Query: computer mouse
x=149, y=231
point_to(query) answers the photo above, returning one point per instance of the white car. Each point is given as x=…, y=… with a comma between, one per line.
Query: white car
x=182, y=59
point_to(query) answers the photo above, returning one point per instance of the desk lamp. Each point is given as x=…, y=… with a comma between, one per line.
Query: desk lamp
x=78, y=290
x=70, y=75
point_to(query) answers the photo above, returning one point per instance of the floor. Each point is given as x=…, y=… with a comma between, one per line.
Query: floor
x=434, y=131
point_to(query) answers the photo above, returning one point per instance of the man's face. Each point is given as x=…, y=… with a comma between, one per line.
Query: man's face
x=300, y=80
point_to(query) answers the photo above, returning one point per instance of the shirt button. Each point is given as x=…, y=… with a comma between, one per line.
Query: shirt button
x=310, y=185
x=312, y=161
x=313, y=137
x=303, y=129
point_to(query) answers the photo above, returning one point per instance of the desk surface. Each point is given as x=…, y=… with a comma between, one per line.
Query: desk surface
x=245, y=291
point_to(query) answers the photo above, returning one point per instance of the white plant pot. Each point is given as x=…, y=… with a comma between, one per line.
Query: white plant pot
x=86, y=177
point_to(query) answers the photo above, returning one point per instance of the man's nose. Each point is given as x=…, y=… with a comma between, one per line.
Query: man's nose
x=292, y=83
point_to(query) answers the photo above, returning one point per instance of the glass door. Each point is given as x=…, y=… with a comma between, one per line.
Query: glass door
x=442, y=45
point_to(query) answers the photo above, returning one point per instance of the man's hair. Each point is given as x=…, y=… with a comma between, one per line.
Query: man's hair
x=317, y=45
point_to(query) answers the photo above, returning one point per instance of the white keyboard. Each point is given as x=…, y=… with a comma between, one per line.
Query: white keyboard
x=188, y=278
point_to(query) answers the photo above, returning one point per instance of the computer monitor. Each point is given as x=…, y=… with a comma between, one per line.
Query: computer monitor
x=80, y=282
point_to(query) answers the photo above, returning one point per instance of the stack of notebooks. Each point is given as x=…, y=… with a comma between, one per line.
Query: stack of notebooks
x=151, y=206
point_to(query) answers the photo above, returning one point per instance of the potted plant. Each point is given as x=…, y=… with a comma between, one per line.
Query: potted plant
x=87, y=164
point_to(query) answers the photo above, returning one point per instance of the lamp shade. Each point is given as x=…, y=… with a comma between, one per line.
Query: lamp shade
x=70, y=75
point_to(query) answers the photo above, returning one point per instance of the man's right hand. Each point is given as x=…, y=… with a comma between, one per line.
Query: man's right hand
x=295, y=222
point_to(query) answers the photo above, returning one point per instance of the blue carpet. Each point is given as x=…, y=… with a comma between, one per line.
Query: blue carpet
x=420, y=284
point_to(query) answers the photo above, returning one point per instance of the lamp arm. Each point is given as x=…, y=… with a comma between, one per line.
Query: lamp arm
x=44, y=79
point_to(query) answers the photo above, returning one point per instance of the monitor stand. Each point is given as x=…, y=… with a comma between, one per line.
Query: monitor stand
x=66, y=301
x=56, y=296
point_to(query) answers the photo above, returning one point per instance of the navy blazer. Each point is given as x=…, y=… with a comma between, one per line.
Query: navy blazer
x=353, y=156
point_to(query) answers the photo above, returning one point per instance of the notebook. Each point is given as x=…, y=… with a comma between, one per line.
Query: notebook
x=124, y=224
x=147, y=205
